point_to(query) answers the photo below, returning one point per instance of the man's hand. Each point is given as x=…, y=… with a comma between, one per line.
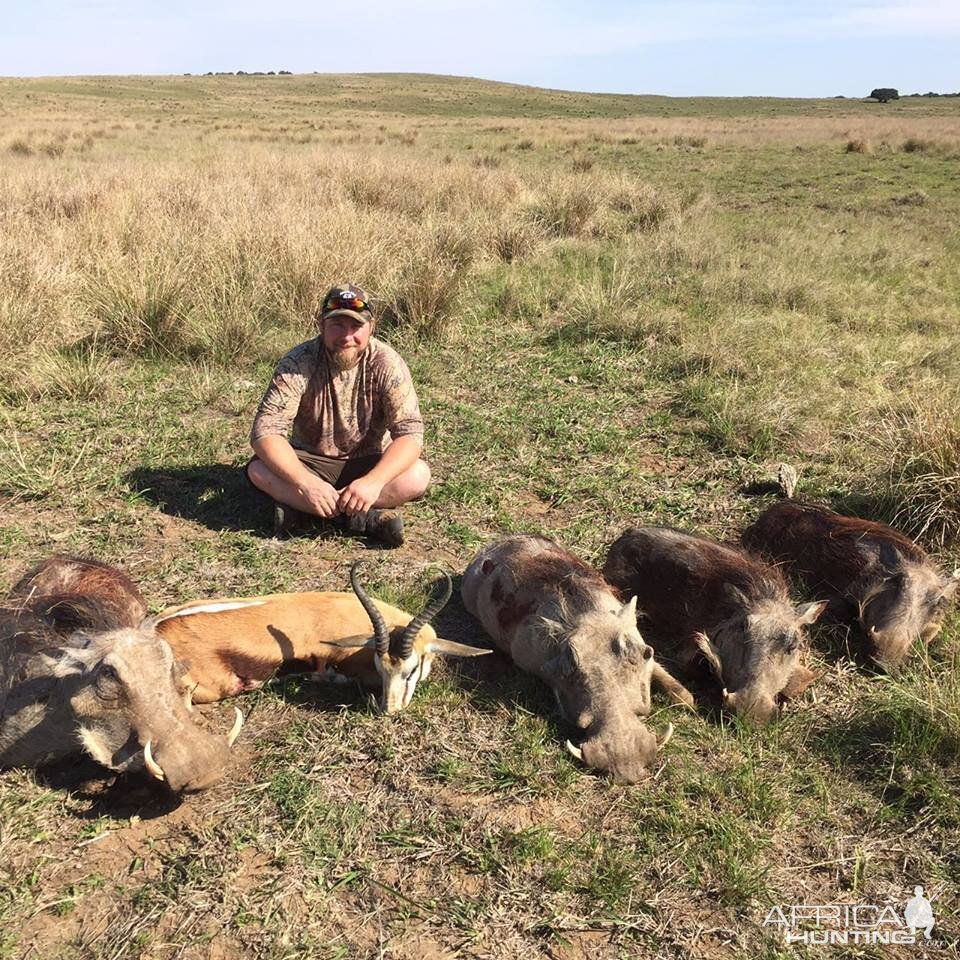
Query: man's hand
x=321, y=496
x=360, y=496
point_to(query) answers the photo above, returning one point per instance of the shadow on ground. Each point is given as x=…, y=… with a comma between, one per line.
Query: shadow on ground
x=217, y=495
x=109, y=794
x=220, y=497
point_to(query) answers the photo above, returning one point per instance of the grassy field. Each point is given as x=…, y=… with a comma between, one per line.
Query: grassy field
x=617, y=309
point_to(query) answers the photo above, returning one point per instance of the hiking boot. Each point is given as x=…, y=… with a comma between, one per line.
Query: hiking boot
x=387, y=528
x=285, y=519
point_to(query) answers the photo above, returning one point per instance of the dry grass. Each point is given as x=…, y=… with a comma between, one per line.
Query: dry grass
x=922, y=446
x=629, y=320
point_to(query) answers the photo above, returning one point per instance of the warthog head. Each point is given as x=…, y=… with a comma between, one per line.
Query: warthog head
x=404, y=656
x=601, y=678
x=131, y=712
x=898, y=601
x=757, y=654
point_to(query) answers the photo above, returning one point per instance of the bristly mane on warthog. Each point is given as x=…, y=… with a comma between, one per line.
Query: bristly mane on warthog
x=557, y=618
x=703, y=599
x=873, y=575
x=80, y=670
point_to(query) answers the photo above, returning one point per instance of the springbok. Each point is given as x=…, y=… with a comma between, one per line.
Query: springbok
x=232, y=646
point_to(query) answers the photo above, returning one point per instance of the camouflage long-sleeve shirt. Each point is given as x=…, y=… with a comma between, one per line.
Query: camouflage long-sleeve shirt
x=342, y=414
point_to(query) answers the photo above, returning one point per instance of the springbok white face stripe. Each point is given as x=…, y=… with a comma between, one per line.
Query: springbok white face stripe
x=215, y=607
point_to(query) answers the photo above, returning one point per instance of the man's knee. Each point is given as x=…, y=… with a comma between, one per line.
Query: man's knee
x=419, y=478
x=258, y=474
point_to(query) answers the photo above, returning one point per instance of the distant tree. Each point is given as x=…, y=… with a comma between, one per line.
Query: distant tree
x=883, y=94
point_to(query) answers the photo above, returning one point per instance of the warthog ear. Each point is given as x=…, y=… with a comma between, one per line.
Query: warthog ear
x=811, y=612
x=710, y=653
x=628, y=611
x=890, y=558
x=950, y=587
x=736, y=596
x=563, y=665
x=553, y=627
x=448, y=648
x=800, y=679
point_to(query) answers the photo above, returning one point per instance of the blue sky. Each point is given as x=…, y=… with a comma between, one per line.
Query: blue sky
x=683, y=47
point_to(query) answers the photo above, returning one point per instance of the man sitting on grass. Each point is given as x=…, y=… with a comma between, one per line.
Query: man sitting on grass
x=342, y=392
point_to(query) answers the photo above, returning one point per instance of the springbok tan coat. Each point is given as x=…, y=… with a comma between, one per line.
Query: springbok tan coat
x=230, y=646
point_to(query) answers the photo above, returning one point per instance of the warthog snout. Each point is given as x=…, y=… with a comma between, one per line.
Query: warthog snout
x=626, y=754
x=193, y=763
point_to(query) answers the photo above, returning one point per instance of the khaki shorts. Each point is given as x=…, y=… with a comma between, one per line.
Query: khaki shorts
x=338, y=473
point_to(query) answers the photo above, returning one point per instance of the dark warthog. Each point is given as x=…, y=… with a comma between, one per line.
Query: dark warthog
x=555, y=616
x=872, y=574
x=701, y=598
x=80, y=672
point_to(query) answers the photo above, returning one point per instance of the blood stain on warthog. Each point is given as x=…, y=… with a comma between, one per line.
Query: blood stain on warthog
x=509, y=612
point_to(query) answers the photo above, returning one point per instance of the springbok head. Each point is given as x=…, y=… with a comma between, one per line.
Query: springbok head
x=404, y=656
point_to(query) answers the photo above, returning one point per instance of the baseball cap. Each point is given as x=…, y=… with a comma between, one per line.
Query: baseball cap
x=347, y=300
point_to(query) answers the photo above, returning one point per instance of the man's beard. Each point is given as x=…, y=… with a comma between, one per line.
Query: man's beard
x=345, y=359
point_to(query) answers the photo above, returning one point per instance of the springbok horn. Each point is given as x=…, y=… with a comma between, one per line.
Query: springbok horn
x=419, y=622
x=576, y=751
x=381, y=634
x=665, y=739
x=152, y=766
x=236, y=728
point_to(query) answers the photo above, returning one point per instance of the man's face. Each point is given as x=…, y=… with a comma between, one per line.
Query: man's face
x=345, y=339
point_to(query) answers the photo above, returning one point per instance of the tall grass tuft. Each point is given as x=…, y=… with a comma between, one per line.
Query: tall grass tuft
x=922, y=447
x=141, y=305
x=422, y=294
x=565, y=208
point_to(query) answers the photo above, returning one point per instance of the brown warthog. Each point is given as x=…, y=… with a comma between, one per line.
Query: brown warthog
x=557, y=618
x=80, y=672
x=703, y=599
x=72, y=592
x=873, y=575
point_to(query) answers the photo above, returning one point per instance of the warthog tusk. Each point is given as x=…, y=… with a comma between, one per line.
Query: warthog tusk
x=152, y=766
x=665, y=739
x=576, y=751
x=874, y=632
x=188, y=699
x=236, y=728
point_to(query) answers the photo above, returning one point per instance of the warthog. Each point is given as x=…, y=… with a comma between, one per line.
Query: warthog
x=73, y=592
x=873, y=575
x=557, y=618
x=702, y=599
x=235, y=645
x=79, y=671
